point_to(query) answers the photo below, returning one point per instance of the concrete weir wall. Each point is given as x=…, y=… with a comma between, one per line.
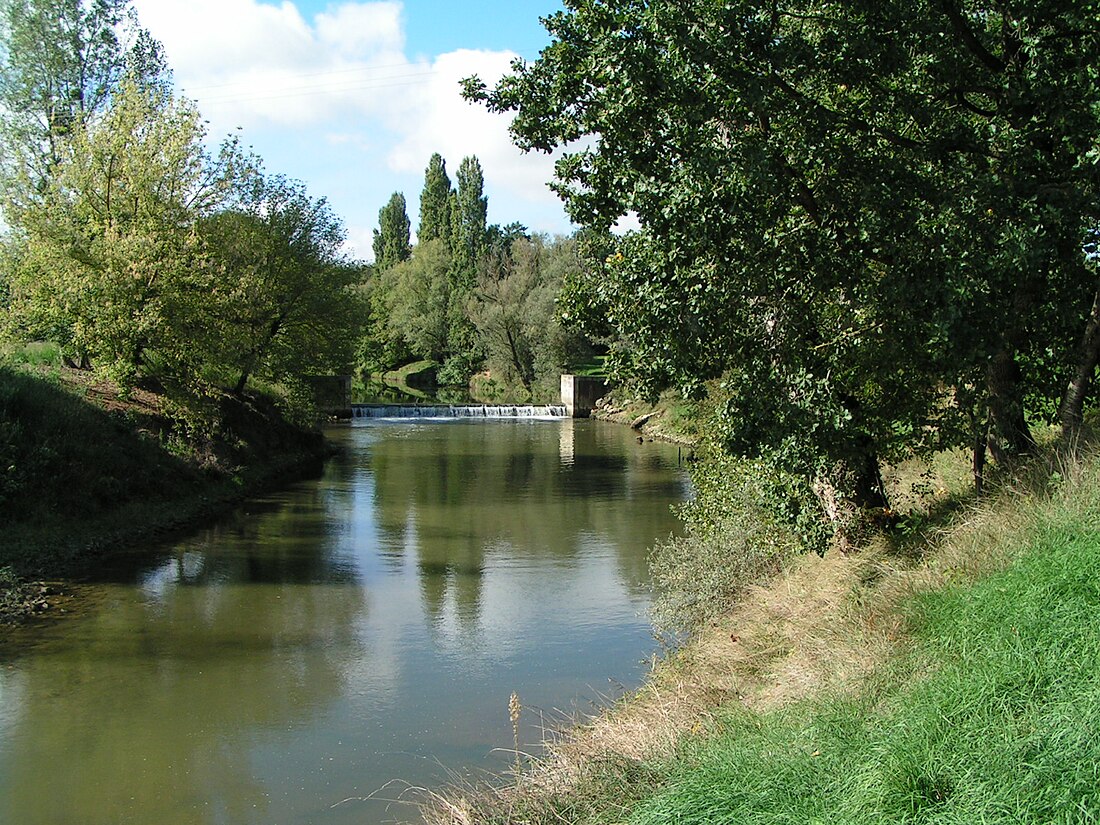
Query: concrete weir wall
x=579, y=394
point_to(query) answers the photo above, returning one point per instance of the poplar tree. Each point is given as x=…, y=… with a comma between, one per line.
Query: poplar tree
x=391, y=239
x=468, y=223
x=435, y=208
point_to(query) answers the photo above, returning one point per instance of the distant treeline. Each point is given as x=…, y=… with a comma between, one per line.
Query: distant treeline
x=468, y=295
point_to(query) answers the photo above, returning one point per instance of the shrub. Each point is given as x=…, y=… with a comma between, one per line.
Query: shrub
x=735, y=538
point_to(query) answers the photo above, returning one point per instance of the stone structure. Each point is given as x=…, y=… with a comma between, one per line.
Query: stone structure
x=579, y=394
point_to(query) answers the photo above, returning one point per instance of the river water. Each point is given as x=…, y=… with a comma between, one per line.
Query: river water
x=324, y=652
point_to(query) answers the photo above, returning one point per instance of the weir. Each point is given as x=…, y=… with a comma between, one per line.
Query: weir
x=406, y=411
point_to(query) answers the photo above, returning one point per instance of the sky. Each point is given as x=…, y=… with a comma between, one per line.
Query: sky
x=352, y=98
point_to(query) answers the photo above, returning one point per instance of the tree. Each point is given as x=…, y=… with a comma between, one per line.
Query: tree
x=435, y=206
x=111, y=262
x=61, y=62
x=391, y=239
x=513, y=309
x=468, y=207
x=284, y=304
x=468, y=222
x=868, y=220
x=418, y=299
x=499, y=239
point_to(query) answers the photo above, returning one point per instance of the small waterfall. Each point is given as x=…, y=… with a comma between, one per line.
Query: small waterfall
x=413, y=411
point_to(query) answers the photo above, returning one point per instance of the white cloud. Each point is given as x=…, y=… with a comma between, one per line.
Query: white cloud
x=356, y=29
x=335, y=99
x=359, y=243
x=204, y=38
x=444, y=122
x=263, y=64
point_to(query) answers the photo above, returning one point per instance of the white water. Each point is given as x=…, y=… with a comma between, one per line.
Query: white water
x=396, y=411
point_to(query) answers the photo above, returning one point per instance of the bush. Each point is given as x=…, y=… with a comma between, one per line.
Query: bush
x=457, y=369
x=735, y=538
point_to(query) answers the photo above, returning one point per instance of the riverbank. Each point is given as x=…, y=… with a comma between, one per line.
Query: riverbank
x=671, y=418
x=944, y=675
x=87, y=472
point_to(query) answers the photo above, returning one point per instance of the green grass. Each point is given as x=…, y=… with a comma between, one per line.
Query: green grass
x=596, y=368
x=412, y=379
x=34, y=354
x=993, y=716
x=63, y=457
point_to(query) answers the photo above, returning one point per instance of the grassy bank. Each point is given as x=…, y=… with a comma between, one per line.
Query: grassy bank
x=670, y=418
x=993, y=716
x=956, y=682
x=85, y=471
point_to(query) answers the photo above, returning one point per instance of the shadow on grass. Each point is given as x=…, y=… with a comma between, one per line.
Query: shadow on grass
x=79, y=479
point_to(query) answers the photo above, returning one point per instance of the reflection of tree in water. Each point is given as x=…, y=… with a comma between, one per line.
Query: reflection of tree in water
x=287, y=537
x=191, y=668
x=451, y=493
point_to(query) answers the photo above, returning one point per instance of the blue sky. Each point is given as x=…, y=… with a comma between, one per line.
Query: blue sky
x=437, y=26
x=353, y=97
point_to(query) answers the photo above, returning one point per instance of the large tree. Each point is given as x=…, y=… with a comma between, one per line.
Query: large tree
x=467, y=240
x=109, y=260
x=469, y=209
x=435, y=202
x=868, y=219
x=284, y=304
x=513, y=309
x=61, y=62
x=417, y=295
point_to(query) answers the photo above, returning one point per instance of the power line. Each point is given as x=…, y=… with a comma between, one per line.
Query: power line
x=319, y=88
x=364, y=84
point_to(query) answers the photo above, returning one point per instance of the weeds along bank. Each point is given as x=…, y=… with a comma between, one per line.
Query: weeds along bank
x=948, y=674
x=85, y=471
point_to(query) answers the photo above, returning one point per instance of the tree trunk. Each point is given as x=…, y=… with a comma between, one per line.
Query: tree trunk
x=981, y=442
x=1073, y=399
x=85, y=363
x=853, y=497
x=1010, y=437
x=516, y=362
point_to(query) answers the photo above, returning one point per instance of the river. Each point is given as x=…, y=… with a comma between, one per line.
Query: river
x=326, y=650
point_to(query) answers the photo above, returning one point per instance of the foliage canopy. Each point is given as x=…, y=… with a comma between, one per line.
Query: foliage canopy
x=142, y=254
x=870, y=221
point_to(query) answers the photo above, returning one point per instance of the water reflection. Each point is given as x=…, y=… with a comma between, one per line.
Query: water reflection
x=365, y=627
x=146, y=708
x=454, y=495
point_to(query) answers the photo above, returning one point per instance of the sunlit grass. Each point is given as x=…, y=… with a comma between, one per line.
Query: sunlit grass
x=595, y=368
x=994, y=716
x=34, y=354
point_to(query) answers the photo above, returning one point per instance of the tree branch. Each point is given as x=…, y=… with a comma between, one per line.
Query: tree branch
x=966, y=34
